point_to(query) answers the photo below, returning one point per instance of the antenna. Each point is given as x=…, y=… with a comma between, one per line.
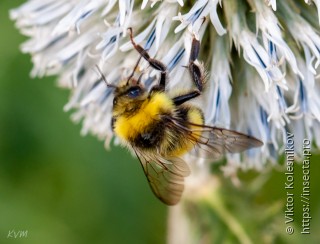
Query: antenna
x=104, y=78
x=134, y=70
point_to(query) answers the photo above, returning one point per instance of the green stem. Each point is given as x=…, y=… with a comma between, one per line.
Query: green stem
x=214, y=201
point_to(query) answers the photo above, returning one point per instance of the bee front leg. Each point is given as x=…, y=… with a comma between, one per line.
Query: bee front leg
x=156, y=64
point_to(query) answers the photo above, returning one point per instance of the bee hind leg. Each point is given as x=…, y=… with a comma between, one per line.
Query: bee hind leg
x=156, y=64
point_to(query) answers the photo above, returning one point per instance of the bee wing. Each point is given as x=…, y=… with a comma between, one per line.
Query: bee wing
x=165, y=176
x=215, y=142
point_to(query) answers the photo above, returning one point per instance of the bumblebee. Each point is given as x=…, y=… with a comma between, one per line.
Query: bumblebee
x=160, y=129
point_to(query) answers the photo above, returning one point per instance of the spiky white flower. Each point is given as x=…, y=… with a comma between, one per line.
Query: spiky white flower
x=269, y=87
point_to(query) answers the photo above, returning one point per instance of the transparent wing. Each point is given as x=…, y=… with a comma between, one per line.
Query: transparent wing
x=165, y=176
x=214, y=142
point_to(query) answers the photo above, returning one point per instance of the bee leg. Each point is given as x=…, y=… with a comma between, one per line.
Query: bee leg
x=185, y=97
x=195, y=70
x=156, y=64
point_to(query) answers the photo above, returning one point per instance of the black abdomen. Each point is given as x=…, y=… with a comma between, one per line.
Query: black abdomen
x=151, y=137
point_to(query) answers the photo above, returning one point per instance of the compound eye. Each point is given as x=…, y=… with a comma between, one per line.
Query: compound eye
x=134, y=92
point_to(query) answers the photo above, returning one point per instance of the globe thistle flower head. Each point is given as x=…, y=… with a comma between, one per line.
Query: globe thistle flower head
x=262, y=59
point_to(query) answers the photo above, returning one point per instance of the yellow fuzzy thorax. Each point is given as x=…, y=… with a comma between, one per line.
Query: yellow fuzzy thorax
x=127, y=127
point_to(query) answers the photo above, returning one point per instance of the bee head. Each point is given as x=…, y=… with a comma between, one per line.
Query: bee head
x=128, y=98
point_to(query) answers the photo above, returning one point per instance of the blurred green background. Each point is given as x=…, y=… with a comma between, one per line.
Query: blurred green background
x=61, y=187
x=64, y=188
